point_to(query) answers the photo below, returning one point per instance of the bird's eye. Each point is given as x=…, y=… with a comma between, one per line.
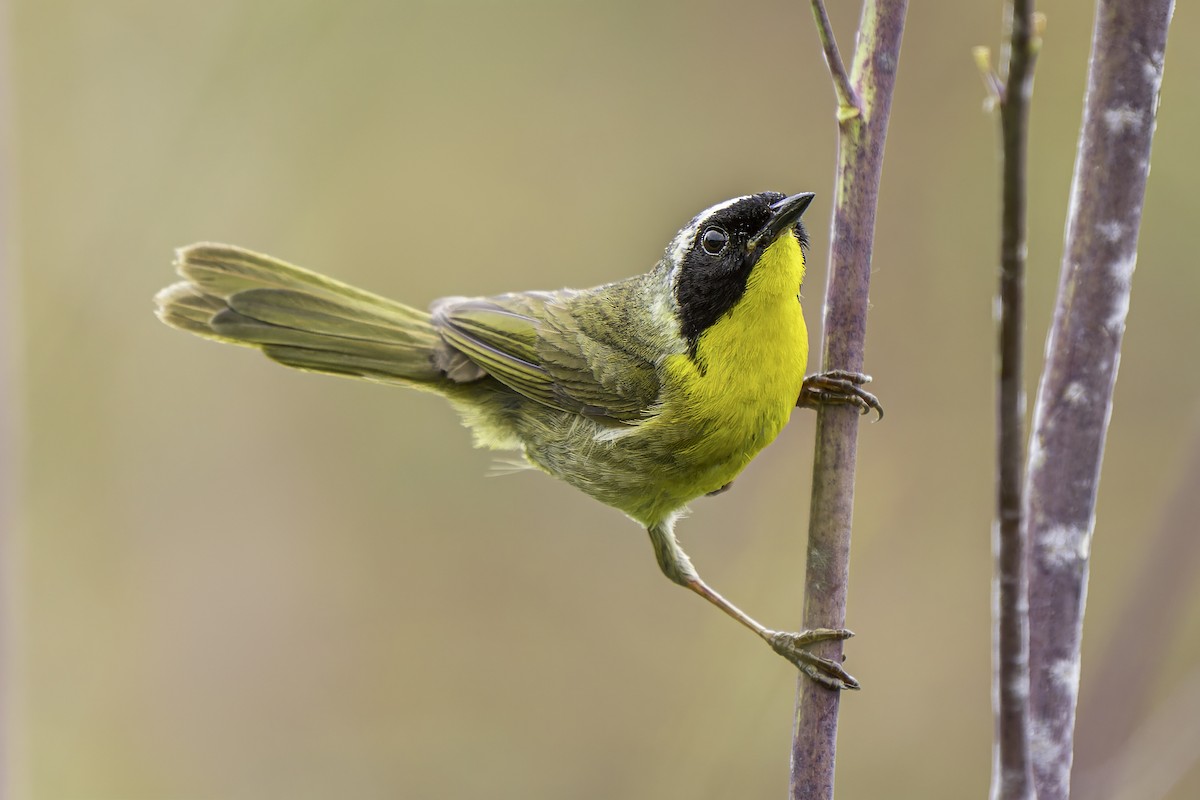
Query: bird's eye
x=713, y=241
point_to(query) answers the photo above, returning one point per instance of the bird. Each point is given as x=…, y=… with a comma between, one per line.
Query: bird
x=644, y=393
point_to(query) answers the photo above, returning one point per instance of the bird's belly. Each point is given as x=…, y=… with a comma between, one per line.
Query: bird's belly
x=650, y=471
x=715, y=448
x=715, y=415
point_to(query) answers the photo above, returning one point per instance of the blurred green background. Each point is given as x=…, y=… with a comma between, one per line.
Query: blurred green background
x=240, y=581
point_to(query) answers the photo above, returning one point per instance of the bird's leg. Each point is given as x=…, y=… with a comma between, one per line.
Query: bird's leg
x=676, y=565
x=838, y=387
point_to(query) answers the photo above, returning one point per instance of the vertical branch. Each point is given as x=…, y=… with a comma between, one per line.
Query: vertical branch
x=861, y=138
x=1012, y=776
x=1075, y=394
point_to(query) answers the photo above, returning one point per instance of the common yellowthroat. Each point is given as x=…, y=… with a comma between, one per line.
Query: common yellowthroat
x=645, y=393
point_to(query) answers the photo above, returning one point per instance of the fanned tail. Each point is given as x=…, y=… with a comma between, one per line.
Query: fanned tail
x=297, y=317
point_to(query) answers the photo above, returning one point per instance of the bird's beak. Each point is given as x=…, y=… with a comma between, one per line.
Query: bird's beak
x=787, y=211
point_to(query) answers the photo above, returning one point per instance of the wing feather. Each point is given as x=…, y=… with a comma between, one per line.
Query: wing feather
x=539, y=344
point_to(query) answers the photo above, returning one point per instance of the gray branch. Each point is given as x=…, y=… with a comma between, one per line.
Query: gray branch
x=1074, y=400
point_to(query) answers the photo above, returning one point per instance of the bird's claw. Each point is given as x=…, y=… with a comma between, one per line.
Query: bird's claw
x=825, y=671
x=839, y=387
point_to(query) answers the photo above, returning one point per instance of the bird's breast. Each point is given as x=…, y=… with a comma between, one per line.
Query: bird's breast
x=734, y=396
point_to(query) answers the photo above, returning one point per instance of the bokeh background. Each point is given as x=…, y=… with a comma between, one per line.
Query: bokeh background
x=232, y=580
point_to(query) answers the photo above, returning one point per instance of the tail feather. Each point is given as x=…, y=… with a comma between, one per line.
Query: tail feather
x=297, y=317
x=316, y=315
x=182, y=306
x=331, y=363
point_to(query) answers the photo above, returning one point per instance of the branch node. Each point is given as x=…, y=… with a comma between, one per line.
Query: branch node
x=849, y=105
x=846, y=113
x=991, y=81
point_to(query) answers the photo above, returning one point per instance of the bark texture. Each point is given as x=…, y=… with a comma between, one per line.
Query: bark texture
x=1074, y=401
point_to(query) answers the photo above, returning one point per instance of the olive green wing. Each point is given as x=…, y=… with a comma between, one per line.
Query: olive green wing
x=571, y=350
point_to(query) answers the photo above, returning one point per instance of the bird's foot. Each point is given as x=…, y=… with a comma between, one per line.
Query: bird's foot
x=825, y=671
x=839, y=387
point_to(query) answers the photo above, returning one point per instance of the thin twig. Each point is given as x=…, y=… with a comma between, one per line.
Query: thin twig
x=860, y=161
x=1012, y=776
x=848, y=102
x=1074, y=401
